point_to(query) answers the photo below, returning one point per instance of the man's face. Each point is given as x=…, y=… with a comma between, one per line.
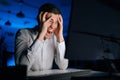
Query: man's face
x=53, y=24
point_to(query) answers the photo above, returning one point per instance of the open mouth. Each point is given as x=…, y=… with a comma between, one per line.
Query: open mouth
x=50, y=31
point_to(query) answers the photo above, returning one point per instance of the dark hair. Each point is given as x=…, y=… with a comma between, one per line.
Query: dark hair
x=48, y=7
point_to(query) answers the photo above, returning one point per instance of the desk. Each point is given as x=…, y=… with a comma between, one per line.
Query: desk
x=56, y=74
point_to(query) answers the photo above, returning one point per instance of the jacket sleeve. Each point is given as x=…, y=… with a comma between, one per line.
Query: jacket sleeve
x=24, y=54
x=59, y=57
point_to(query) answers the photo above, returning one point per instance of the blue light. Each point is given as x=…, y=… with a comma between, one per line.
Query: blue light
x=11, y=61
x=9, y=12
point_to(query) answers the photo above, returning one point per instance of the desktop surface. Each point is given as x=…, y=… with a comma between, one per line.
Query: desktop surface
x=57, y=74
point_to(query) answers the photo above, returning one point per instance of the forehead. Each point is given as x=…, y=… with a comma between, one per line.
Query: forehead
x=51, y=14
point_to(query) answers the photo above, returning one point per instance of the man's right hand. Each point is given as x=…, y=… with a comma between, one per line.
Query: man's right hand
x=45, y=24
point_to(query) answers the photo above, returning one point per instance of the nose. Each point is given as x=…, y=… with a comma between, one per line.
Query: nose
x=52, y=24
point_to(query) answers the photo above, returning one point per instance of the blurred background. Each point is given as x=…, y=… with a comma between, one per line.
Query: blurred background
x=17, y=14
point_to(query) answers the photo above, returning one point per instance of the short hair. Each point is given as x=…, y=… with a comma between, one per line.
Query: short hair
x=48, y=7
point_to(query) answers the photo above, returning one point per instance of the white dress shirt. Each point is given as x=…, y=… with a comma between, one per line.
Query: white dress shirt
x=36, y=54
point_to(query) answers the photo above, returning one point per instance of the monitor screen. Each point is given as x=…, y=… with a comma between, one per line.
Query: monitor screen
x=94, y=30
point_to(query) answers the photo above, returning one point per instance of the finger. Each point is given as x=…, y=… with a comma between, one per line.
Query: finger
x=40, y=16
x=44, y=16
x=60, y=21
x=50, y=19
x=47, y=22
x=60, y=18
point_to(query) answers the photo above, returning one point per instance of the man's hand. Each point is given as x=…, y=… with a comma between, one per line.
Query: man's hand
x=59, y=30
x=45, y=25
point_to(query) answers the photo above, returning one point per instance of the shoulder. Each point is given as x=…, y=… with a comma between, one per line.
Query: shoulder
x=25, y=32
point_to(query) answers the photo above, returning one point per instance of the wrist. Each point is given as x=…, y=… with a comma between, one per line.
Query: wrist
x=60, y=39
x=41, y=37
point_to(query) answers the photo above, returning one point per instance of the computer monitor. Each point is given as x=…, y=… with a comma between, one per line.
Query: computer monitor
x=94, y=30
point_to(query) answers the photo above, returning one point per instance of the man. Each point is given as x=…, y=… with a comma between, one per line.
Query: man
x=39, y=46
